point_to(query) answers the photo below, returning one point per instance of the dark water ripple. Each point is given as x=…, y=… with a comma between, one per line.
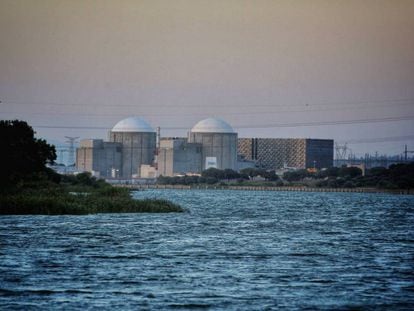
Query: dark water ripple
x=232, y=250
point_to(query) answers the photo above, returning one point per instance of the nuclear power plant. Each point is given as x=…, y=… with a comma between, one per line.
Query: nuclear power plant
x=137, y=140
x=218, y=143
x=136, y=150
x=131, y=144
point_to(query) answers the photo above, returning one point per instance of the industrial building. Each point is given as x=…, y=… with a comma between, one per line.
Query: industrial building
x=138, y=141
x=132, y=143
x=211, y=143
x=275, y=153
x=218, y=143
x=177, y=157
x=102, y=159
x=135, y=150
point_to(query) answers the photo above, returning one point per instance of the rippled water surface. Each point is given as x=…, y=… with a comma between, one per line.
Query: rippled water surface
x=231, y=250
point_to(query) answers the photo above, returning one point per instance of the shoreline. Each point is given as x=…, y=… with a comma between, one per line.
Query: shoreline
x=267, y=188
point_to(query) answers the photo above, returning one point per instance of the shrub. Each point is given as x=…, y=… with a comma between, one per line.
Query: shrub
x=349, y=184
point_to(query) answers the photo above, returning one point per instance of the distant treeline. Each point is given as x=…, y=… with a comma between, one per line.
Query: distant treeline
x=213, y=176
x=398, y=176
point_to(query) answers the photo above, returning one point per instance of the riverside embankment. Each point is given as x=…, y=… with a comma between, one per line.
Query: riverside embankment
x=267, y=188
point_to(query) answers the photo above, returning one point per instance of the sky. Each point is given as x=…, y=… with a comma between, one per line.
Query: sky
x=342, y=70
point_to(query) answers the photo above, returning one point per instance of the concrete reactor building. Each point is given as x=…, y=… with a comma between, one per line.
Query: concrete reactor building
x=218, y=143
x=210, y=143
x=177, y=157
x=138, y=141
x=102, y=159
x=132, y=143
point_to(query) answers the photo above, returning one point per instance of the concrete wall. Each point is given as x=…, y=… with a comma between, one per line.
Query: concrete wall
x=137, y=149
x=166, y=158
x=177, y=156
x=222, y=146
x=95, y=155
x=148, y=171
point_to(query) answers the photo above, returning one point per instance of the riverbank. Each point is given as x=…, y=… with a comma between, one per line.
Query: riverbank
x=78, y=195
x=73, y=205
x=268, y=188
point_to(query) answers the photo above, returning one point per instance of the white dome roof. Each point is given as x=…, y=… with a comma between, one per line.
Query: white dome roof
x=212, y=125
x=132, y=124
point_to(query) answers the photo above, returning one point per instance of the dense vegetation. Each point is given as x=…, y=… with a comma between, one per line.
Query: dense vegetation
x=27, y=186
x=398, y=176
x=80, y=194
x=213, y=176
x=22, y=154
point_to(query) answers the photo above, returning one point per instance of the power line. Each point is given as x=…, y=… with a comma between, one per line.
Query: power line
x=269, y=125
x=308, y=104
x=340, y=122
x=378, y=139
x=267, y=112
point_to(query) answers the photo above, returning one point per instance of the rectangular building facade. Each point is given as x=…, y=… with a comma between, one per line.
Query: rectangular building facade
x=274, y=153
x=102, y=159
x=319, y=153
x=177, y=156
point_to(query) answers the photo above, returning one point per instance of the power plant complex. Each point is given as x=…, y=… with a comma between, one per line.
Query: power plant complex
x=136, y=150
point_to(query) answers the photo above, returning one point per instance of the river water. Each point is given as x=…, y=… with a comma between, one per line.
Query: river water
x=231, y=250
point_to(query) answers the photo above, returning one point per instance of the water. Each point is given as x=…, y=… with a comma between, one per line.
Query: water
x=232, y=250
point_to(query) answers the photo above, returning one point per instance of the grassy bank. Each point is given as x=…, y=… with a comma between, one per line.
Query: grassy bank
x=62, y=205
x=76, y=197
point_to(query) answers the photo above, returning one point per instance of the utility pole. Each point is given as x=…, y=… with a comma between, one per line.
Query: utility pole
x=71, y=155
x=406, y=152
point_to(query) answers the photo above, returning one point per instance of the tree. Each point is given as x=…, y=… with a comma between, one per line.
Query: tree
x=213, y=173
x=296, y=175
x=402, y=175
x=21, y=153
x=230, y=174
x=271, y=175
x=329, y=172
x=378, y=171
x=351, y=172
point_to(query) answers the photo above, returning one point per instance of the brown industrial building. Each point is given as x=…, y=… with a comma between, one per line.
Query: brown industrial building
x=274, y=153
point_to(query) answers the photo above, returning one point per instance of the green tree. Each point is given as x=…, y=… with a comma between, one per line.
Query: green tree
x=296, y=175
x=351, y=172
x=402, y=175
x=378, y=171
x=230, y=174
x=271, y=175
x=213, y=173
x=329, y=172
x=22, y=154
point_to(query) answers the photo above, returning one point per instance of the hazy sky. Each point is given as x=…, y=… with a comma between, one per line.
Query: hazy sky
x=267, y=67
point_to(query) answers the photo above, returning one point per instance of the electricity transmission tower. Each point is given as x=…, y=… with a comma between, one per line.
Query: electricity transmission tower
x=340, y=152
